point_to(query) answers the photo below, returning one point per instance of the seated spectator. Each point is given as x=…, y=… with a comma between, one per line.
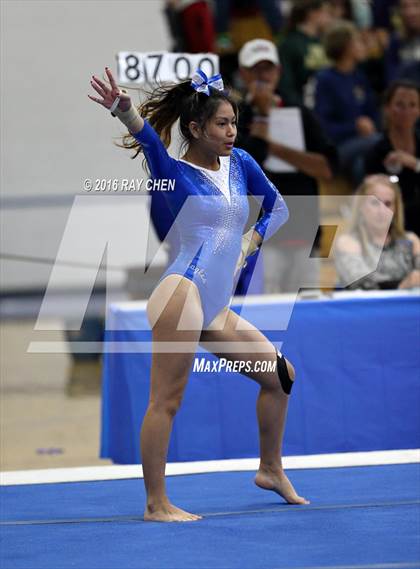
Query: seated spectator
x=286, y=255
x=402, y=58
x=344, y=100
x=397, y=151
x=374, y=39
x=377, y=252
x=301, y=51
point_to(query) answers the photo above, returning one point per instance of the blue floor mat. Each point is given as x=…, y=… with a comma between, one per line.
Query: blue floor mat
x=358, y=517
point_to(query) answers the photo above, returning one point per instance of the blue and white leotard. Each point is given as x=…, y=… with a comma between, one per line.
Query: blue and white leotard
x=209, y=226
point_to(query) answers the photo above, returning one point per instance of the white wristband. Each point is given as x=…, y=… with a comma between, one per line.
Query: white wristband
x=115, y=104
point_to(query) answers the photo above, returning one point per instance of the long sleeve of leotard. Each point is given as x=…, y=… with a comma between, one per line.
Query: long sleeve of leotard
x=274, y=207
x=161, y=165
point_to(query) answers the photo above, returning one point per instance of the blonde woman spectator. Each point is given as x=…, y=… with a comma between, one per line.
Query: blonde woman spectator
x=377, y=252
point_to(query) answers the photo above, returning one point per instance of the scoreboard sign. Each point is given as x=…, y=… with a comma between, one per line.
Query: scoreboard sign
x=162, y=66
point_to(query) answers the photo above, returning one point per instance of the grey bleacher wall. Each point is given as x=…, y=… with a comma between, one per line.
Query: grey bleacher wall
x=52, y=136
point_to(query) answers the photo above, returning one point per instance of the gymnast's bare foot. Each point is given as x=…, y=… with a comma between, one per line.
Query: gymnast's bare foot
x=168, y=513
x=274, y=478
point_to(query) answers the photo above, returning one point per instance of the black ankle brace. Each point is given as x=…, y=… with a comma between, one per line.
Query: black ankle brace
x=283, y=374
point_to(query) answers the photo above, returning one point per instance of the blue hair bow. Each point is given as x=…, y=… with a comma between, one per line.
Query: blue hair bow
x=201, y=83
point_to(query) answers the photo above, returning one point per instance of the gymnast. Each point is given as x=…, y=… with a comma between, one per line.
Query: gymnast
x=190, y=304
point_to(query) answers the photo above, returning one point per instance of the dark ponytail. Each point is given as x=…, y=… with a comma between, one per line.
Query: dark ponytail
x=168, y=103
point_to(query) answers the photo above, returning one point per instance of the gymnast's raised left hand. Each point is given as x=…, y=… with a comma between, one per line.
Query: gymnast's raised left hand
x=109, y=93
x=117, y=101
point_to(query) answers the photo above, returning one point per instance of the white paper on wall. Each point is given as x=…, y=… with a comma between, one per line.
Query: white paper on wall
x=285, y=127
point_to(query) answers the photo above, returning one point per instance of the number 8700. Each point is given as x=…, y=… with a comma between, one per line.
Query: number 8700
x=163, y=66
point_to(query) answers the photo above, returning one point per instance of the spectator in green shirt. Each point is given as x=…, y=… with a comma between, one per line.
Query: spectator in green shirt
x=301, y=51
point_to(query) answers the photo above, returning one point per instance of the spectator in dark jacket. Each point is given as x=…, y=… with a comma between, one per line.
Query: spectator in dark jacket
x=397, y=152
x=344, y=100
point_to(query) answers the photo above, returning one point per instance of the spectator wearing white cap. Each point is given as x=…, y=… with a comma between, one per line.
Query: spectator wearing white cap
x=259, y=67
x=285, y=262
x=258, y=50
